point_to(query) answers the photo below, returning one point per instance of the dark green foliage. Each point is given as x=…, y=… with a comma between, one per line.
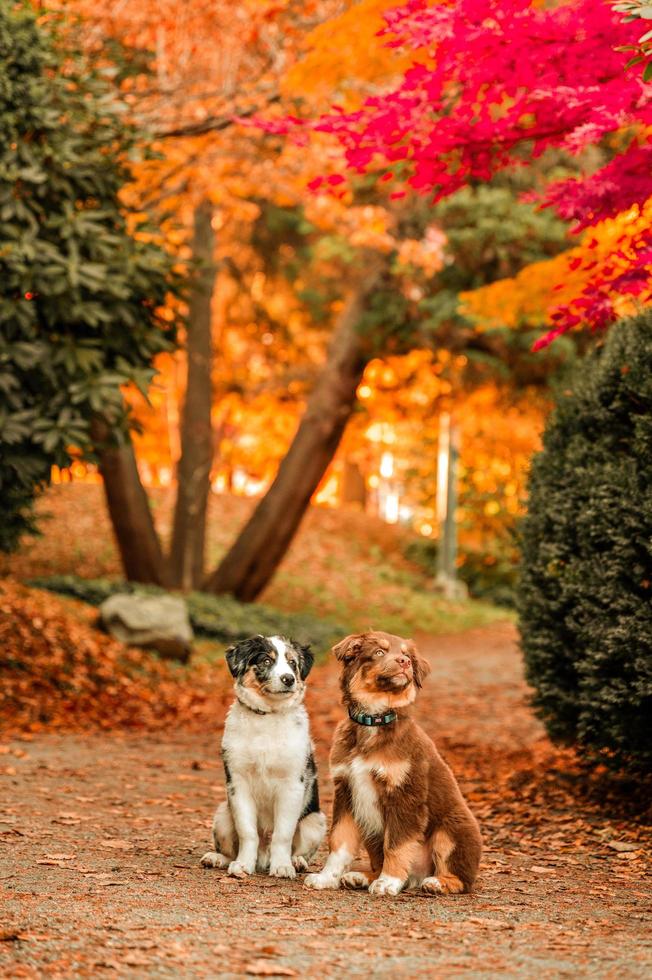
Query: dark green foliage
x=491, y=235
x=491, y=577
x=79, y=296
x=220, y=618
x=585, y=600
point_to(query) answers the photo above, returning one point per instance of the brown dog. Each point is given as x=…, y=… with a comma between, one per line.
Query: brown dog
x=394, y=794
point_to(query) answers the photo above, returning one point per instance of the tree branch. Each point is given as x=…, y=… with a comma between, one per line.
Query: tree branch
x=213, y=124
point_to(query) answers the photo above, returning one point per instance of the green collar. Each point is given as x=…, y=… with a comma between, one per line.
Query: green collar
x=373, y=720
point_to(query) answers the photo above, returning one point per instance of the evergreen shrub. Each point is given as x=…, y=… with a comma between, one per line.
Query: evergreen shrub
x=585, y=593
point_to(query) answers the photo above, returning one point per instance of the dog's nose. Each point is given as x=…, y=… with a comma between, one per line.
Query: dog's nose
x=403, y=661
x=287, y=679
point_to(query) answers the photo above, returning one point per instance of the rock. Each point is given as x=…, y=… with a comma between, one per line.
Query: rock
x=158, y=623
x=452, y=589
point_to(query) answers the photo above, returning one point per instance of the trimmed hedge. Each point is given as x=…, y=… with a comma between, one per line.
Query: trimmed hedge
x=585, y=597
x=220, y=618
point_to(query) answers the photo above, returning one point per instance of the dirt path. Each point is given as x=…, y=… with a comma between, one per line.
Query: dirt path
x=100, y=839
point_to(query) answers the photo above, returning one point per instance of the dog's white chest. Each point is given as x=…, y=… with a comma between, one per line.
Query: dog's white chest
x=364, y=798
x=271, y=746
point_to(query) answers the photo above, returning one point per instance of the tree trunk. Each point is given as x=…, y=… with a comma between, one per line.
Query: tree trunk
x=354, y=486
x=193, y=471
x=133, y=526
x=260, y=547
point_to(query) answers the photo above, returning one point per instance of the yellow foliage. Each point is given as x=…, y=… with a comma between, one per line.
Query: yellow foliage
x=532, y=295
x=344, y=52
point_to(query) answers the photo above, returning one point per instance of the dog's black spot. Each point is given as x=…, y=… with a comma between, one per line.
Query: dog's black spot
x=227, y=771
x=305, y=657
x=256, y=652
x=309, y=777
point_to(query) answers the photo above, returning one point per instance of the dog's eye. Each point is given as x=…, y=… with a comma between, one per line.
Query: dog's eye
x=379, y=653
x=292, y=663
x=266, y=662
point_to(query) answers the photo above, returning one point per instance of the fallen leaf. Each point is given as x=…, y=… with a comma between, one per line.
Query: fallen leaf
x=263, y=968
x=622, y=846
x=117, y=844
x=136, y=959
x=490, y=923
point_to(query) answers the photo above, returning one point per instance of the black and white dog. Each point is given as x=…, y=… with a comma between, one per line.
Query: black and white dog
x=271, y=819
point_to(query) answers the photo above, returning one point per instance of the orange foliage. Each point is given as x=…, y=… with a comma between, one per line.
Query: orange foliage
x=60, y=673
x=268, y=348
x=532, y=296
x=344, y=52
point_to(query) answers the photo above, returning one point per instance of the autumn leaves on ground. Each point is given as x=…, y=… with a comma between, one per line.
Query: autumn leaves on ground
x=106, y=813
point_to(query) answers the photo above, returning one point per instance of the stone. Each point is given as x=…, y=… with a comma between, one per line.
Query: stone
x=158, y=623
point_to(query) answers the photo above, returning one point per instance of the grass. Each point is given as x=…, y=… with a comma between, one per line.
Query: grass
x=343, y=566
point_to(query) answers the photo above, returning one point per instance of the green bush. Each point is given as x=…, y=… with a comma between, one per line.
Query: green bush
x=585, y=598
x=80, y=296
x=491, y=576
x=220, y=618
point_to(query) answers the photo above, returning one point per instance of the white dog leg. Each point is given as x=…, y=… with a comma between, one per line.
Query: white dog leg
x=243, y=809
x=330, y=875
x=224, y=838
x=287, y=810
x=309, y=835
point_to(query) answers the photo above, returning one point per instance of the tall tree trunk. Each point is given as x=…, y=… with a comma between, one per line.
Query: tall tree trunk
x=133, y=526
x=257, y=552
x=193, y=471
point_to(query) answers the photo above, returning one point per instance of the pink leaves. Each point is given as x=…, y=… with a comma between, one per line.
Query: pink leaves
x=494, y=83
x=627, y=180
x=501, y=73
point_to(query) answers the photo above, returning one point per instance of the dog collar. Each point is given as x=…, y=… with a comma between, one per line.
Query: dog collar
x=250, y=707
x=373, y=720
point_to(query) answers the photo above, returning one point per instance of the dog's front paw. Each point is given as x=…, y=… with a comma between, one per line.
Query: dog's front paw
x=238, y=869
x=355, y=879
x=320, y=881
x=444, y=885
x=282, y=871
x=299, y=862
x=432, y=886
x=386, y=885
x=213, y=859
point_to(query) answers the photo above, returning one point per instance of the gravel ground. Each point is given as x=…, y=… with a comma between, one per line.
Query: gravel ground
x=100, y=840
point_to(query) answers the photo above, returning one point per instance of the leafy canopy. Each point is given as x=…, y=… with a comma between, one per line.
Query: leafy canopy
x=493, y=84
x=82, y=283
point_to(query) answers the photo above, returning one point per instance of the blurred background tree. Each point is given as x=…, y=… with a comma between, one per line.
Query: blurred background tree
x=83, y=281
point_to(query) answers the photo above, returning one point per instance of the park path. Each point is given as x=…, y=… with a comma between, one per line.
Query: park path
x=100, y=838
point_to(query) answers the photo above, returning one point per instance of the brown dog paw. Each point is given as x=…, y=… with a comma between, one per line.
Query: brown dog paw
x=444, y=885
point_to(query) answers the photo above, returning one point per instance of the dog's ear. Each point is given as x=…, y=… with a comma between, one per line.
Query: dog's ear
x=420, y=666
x=306, y=659
x=234, y=658
x=237, y=656
x=348, y=648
